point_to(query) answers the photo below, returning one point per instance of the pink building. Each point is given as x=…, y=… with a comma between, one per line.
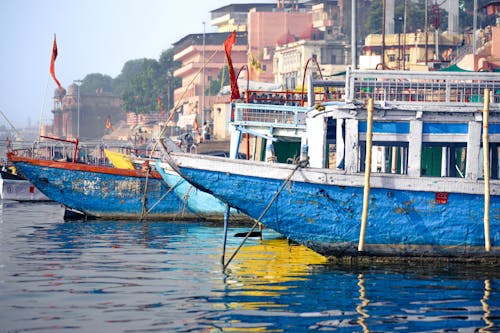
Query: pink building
x=266, y=30
x=191, y=53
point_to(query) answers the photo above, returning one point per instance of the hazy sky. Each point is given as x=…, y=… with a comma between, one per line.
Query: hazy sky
x=93, y=36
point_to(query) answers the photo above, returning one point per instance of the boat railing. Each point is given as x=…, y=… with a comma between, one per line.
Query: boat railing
x=89, y=152
x=284, y=116
x=417, y=89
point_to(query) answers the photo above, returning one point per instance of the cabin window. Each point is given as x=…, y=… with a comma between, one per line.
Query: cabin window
x=386, y=157
x=494, y=161
x=444, y=160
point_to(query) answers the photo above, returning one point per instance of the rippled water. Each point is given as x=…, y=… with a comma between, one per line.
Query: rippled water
x=106, y=276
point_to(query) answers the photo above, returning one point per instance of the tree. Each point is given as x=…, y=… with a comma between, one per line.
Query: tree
x=415, y=17
x=170, y=83
x=215, y=85
x=92, y=82
x=142, y=81
x=466, y=14
x=123, y=81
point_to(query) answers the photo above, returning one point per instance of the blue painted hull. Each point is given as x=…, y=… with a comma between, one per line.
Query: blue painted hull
x=197, y=201
x=327, y=217
x=101, y=192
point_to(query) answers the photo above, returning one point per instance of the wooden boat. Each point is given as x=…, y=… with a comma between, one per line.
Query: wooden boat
x=197, y=201
x=15, y=187
x=424, y=194
x=102, y=192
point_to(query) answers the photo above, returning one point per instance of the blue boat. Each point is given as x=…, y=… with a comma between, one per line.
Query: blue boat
x=199, y=202
x=428, y=191
x=102, y=192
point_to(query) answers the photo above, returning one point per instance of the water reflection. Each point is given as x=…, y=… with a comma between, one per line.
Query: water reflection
x=486, y=308
x=166, y=276
x=364, y=303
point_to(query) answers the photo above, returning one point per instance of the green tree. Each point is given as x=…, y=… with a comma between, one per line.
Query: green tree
x=169, y=83
x=123, y=81
x=92, y=82
x=415, y=17
x=215, y=85
x=466, y=14
x=142, y=81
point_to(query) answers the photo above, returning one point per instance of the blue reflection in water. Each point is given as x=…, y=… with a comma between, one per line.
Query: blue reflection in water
x=166, y=277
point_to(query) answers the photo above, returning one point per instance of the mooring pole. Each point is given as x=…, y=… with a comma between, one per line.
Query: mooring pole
x=226, y=223
x=486, y=165
x=368, y=164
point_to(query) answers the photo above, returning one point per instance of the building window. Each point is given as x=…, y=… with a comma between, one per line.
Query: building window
x=392, y=58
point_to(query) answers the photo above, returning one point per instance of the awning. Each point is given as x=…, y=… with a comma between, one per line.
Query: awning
x=453, y=68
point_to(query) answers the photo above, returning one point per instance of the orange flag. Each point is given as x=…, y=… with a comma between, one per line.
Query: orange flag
x=52, y=61
x=228, y=45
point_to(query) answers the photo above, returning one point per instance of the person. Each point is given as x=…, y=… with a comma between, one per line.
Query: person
x=188, y=140
x=206, y=132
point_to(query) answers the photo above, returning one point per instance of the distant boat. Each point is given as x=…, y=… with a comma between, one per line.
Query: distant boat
x=102, y=192
x=16, y=187
x=424, y=191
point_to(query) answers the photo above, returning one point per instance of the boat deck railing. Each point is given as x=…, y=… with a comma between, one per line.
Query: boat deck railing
x=410, y=90
x=283, y=116
x=424, y=90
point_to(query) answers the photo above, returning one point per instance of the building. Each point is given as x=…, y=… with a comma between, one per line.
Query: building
x=405, y=51
x=326, y=43
x=84, y=116
x=192, y=52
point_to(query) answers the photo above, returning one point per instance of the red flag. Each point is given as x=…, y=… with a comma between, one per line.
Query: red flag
x=52, y=61
x=108, y=123
x=228, y=45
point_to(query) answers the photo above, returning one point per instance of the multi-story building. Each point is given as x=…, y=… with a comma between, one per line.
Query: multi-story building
x=326, y=43
x=405, y=51
x=202, y=58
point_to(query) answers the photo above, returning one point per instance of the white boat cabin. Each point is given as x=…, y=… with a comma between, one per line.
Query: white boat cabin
x=424, y=123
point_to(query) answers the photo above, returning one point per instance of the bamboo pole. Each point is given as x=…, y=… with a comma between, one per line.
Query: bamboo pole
x=368, y=163
x=486, y=165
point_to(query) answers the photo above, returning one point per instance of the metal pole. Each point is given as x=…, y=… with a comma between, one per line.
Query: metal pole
x=383, y=33
x=353, y=35
x=203, y=81
x=474, y=30
x=78, y=83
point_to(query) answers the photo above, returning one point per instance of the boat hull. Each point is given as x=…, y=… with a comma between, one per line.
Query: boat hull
x=17, y=188
x=197, y=201
x=322, y=211
x=102, y=192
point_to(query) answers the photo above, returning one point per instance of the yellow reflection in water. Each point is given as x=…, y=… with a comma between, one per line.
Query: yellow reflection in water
x=364, y=302
x=259, y=269
x=486, y=308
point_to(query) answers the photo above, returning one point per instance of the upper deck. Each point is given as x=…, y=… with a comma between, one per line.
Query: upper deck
x=400, y=90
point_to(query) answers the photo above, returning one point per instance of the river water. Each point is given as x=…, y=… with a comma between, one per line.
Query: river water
x=115, y=276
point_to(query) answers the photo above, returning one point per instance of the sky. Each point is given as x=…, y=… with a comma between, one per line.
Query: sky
x=93, y=36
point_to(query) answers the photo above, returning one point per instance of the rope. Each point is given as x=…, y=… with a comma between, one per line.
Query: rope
x=162, y=197
x=144, y=197
x=301, y=164
x=180, y=100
